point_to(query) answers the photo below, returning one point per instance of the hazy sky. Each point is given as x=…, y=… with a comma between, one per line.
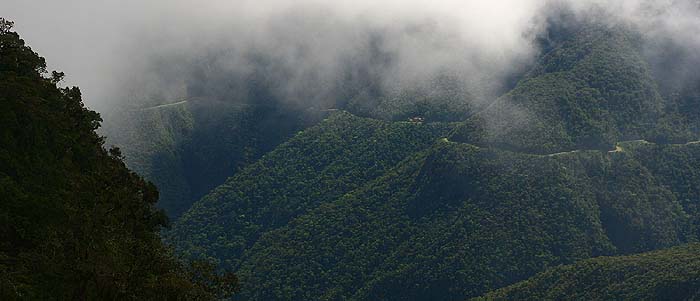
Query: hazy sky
x=107, y=45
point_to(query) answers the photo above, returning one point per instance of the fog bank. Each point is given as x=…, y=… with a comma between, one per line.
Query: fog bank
x=310, y=52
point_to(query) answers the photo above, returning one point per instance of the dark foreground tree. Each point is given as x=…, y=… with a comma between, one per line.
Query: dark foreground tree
x=75, y=223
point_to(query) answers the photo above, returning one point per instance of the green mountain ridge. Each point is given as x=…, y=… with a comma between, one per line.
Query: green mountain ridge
x=399, y=236
x=581, y=182
x=583, y=158
x=670, y=274
x=189, y=148
x=319, y=164
x=590, y=91
x=659, y=220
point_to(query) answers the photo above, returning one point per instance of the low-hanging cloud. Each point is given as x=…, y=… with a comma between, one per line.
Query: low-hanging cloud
x=312, y=53
x=309, y=52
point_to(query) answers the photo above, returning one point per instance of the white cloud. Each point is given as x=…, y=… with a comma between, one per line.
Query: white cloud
x=104, y=45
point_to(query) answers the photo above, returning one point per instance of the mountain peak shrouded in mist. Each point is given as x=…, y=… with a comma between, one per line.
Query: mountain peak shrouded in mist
x=308, y=49
x=351, y=150
x=583, y=157
x=276, y=67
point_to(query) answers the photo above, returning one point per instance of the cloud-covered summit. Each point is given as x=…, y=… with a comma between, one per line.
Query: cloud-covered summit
x=310, y=51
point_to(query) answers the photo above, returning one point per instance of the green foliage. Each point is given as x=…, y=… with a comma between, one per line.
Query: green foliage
x=592, y=89
x=190, y=148
x=316, y=166
x=75, y=223
x=448, y=222
x=150, y=142
x=6, y=26
x=444, y=98
x=458, y=221
x=662, y=275
x=362, y=209
x=676, y=167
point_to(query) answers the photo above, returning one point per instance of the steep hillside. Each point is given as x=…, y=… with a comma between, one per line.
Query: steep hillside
x=75, y=223
x=553, y=172
x=225, y=121
x=191, y=147
x=592, y=89
x=150, y=147
x=672, y=274
x=673, y=66
x=677, y=167
x=457, y=221
x=442, y=99
x=315, y=167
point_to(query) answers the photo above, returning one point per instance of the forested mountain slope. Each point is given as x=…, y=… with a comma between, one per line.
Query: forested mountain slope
x=314, y=167
x=592, y=89
x=75, y=223
x=457, y=221
x=449, y=222
x=573, y=174
x=188, y=148
x=584, y=157
x=672, y=274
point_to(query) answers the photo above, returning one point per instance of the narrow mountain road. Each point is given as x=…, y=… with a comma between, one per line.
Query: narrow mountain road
x=164, y=105
x=194, y=99
x=564, y=153
x=618, y=147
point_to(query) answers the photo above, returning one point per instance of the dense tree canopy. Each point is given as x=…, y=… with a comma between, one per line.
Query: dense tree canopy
x=425, y=193
x=75, y=223
x=672, y=274
x=554, y=172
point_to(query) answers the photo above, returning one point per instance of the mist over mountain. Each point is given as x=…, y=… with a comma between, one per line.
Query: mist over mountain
x=358, y=150
x=392, y=61
x=171, y=49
